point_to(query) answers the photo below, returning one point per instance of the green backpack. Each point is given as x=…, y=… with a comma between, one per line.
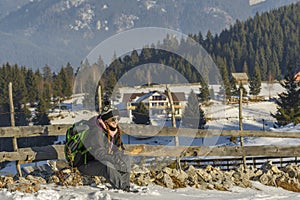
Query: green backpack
x=75, y=136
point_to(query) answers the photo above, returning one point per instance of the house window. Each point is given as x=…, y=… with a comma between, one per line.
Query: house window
x=158, y=98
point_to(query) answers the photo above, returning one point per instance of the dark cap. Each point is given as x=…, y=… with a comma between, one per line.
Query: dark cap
x=108, y=112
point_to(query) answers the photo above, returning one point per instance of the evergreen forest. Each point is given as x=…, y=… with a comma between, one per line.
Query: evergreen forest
x=41, y=89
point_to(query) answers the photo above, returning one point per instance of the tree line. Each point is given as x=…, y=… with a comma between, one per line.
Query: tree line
x=41, y=90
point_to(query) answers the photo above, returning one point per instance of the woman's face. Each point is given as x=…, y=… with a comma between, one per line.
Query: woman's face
x=113, y=121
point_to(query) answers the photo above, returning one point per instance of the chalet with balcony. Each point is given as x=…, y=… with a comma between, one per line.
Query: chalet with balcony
x=156, y=101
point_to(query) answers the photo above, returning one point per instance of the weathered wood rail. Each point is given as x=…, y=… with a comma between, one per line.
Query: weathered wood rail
x=234, y=162
x=26, y=155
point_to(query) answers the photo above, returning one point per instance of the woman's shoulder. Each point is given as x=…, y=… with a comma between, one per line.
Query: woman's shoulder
x=94, y=125
x=92, y=122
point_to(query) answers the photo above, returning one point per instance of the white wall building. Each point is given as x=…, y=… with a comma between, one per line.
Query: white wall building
x=156, y=101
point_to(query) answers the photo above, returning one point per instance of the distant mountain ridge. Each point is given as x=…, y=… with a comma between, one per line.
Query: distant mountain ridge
x=55, y=32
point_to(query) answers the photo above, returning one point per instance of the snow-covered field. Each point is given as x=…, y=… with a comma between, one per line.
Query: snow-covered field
x=258, y=192
x=256, y=116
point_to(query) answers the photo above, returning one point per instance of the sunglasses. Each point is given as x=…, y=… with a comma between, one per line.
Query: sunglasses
x=113, y=119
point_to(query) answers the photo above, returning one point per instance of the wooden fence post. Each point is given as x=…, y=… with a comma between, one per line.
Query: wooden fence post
x=12, y=120
x=99, y=98
x=11, y=105
x=178, y=166
x=241, y=123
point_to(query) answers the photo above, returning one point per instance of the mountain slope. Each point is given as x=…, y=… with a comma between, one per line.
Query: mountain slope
x=7, y=6
x=61, y=31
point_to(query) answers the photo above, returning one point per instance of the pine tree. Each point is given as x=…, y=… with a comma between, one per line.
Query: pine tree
x=44, y=103
x=47, y=74
x=225, y=76
x=245, y=68
x=41, y=116
x=70, y=74
x=146, y=55
x=110, y=82
x=31, y=86
x=65, y=83
x=204, y=91
x=193, y=115
x=19, y=95
x=208, y=43
x=288, y=104
x=19, y=87
x=46, y=94
x=39, y=80
x=57, y=86
x=255, y=82
x=134, y=58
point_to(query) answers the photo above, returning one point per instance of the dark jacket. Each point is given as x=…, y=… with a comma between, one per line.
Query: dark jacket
x=97, y=145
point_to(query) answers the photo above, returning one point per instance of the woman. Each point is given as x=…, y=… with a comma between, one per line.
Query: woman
x=105, y=151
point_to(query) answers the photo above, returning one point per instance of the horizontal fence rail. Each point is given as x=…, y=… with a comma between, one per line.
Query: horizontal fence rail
x=52, y=152
x=143, y=130
x=234, y=162
x=32, y=154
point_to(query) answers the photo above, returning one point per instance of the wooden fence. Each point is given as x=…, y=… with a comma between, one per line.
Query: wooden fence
x=33, y=154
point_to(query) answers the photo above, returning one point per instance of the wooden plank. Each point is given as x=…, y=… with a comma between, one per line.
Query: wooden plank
x=146, y=130
x=270, y=150
x=56, y=152
x=50, y=152
x=27, y=131
x=143, y=130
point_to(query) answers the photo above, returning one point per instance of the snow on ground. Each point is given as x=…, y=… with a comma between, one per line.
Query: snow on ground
x=70, y=117
x=256, y=116
x=51, y=192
